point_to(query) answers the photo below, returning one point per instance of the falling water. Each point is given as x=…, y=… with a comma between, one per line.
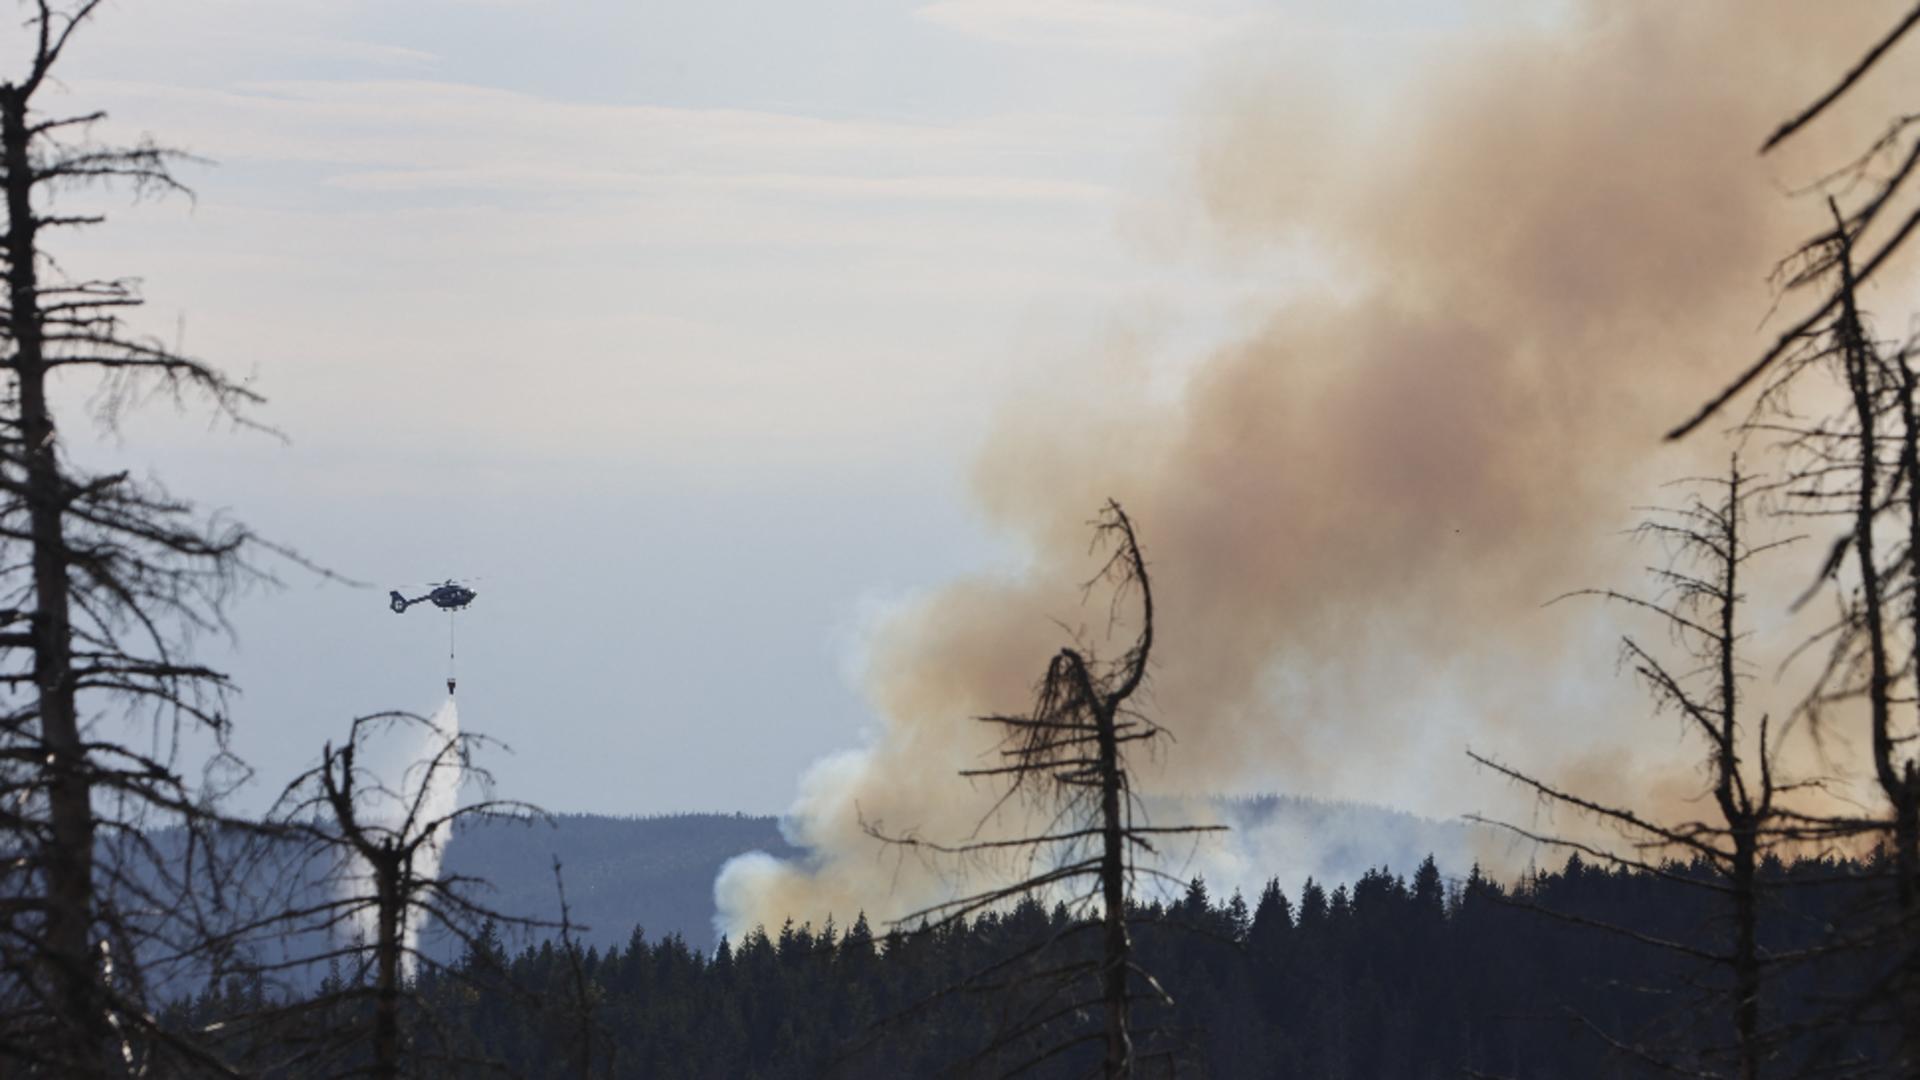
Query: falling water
x=419, y=775
x=437, y=791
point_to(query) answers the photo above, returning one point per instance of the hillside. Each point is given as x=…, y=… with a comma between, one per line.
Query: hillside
x=621, y=872
x=657, y=872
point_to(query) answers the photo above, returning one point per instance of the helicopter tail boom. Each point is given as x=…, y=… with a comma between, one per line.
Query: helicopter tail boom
x=399, y=603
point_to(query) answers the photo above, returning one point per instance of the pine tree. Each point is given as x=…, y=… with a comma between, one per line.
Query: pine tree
x=1239, y=920
x=1429, y=892
x=1272, y=922
x=1313, y=907
x=1195, y=905
x=1339, y=906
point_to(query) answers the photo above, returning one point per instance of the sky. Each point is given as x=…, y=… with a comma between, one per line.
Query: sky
x=674, y=328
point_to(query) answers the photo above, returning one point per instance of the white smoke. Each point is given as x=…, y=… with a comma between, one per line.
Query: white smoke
x=1289, y=838
x=1332, y=841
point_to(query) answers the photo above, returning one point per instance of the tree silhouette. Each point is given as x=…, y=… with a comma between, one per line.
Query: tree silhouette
x=376, y=843
x=1859, y=466
x=1069, y=756
x=1843, y=463
x=104, y=582
x=1698, y=607
x=1814, y=268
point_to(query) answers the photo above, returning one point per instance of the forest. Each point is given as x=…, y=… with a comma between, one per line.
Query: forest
x=1034, y=849
x=1385, y=977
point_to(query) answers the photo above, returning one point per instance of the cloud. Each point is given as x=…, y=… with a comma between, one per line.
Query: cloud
x=854, y=188
x=417, y=135
x=1102, y=25
x=746, y=279
x=347, y=51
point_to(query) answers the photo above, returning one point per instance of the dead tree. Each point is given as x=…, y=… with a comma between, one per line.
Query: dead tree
x=104, y=581
x=376, y=844
x=1848, y=451
x=1697, y=606
x=1844, y=465
x=1068, y=758
x=1860, y=467
x=1813, y=270
x=1868, y=384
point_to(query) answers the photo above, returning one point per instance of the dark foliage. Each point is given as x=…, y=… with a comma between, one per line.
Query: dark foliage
x=1383, y=978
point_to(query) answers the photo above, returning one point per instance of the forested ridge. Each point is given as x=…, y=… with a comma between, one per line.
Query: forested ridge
x=654, y=870
x=1554, y=975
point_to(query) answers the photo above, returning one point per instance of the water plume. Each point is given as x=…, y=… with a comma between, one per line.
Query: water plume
x=419, y=773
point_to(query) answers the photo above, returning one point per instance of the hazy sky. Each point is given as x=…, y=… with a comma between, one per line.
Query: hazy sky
x=678, y=324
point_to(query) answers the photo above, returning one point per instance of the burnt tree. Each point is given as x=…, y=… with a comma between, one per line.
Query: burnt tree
x=1697, y=604
x=1068, y=757
x=104, y=582
x=1861, y=466
x=1813, y=270
x=375, y=842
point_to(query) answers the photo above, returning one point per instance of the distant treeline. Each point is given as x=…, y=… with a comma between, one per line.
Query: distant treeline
x=1557, y=975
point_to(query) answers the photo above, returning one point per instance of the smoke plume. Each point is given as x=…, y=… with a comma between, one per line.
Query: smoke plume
x=1543, y=250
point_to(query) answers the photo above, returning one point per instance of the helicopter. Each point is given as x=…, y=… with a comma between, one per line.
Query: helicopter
x=446, y=595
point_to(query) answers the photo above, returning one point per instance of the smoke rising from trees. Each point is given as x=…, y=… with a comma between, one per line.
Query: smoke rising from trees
x=1355, y=512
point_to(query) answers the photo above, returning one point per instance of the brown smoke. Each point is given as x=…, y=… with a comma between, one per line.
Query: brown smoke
x=1556, y=243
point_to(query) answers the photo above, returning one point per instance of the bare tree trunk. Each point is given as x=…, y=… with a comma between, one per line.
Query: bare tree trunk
x=338, y=809
x=1860, y=383
x=386, y=1019
x=1736, y=804
x=1906, y=810
x=1069, y=753
x=1897, y=779
x=1906, y=825
x=1116, y=949
x=1746, y=955
x=1906, y=837
x=69, y=861
x=1700, y=610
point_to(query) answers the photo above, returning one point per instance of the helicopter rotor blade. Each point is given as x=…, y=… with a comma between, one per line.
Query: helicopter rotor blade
x=455, y=581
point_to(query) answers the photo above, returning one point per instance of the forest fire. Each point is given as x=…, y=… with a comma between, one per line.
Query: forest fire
x=1248, y=715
